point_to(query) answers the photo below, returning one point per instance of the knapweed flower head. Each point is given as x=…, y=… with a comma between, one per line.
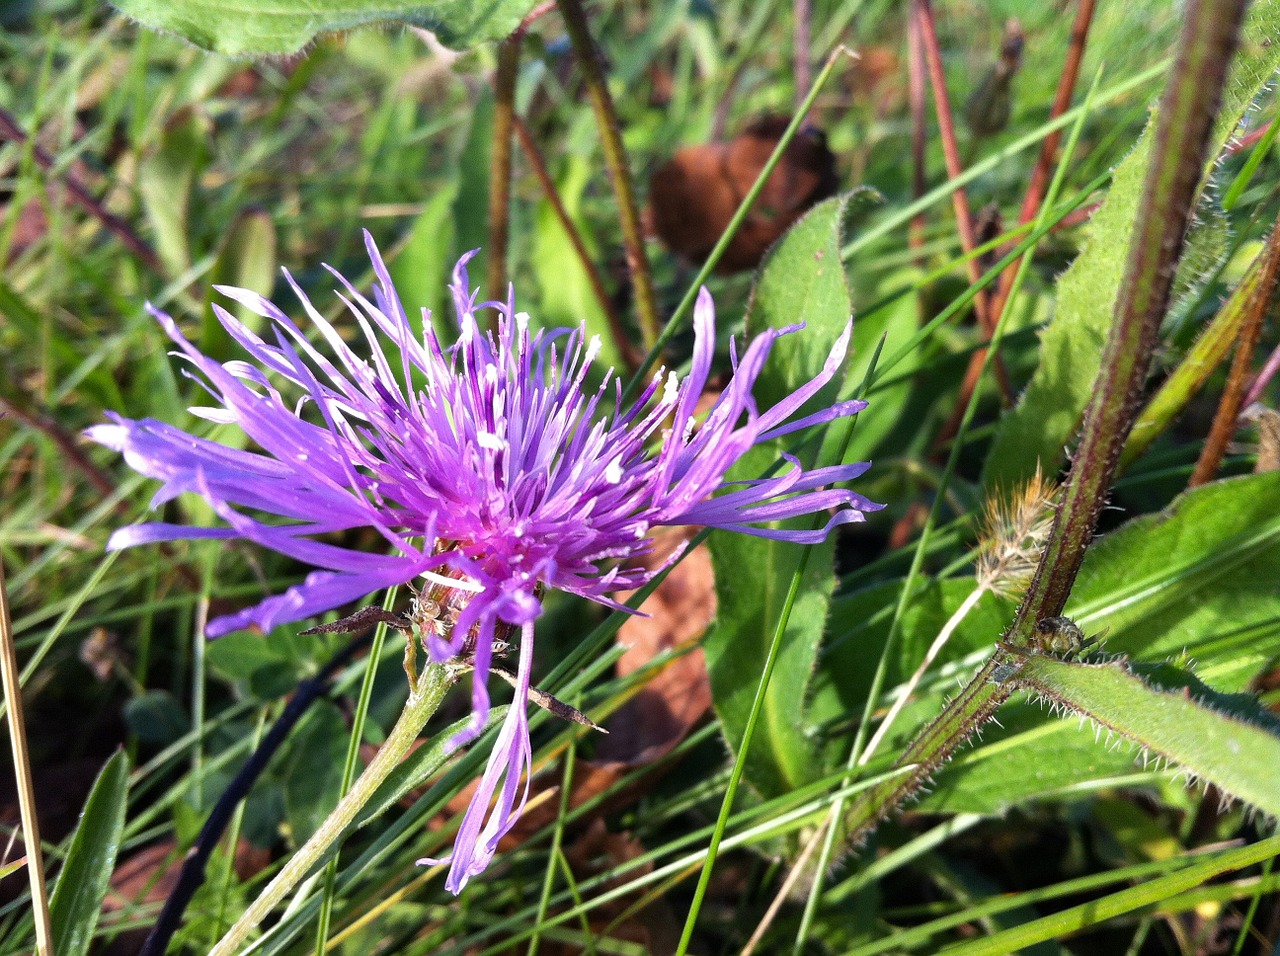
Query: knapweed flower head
x=488, y=466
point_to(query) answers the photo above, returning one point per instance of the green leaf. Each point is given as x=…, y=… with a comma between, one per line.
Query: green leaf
x=1202, y=732
x=156, y=717
x=282, y=27
x=801, y=280
x=313, y=772
x=246, y=259
x=1045, y=419
x=753, y=577
x=471, y=202
x=563, y=282
x=82, y=884
x=421, y=269
x=1197, y=579
x=1028, y=755
x=165, y=181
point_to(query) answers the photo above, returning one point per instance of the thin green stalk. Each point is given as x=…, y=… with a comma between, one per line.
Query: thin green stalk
x=352, y=760
x=557, y=837
x=424, y=698
x=22, y=774
x=740, y=764
x=615, y=157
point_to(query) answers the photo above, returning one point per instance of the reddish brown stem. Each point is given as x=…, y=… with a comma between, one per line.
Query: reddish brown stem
x=803, y=73
x=9, y=129
x=625, y=347
x=1228, y=414
x=915, y=94
x=928, y=34
x=1039, y=181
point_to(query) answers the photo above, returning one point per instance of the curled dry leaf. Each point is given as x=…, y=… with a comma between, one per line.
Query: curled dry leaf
x=693, y=195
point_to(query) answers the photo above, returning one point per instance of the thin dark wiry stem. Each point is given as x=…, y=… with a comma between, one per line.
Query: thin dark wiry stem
x=626, y=348
x=1182, y=131
x=615, y=157
x=504, y=106
x=9, y=129
x=1228, y=414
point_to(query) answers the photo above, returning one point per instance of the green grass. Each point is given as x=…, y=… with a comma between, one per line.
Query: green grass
x=230, y=170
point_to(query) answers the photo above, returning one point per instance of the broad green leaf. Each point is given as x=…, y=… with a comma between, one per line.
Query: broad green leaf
x=859, y=626
x=1045, y=419
x=801, y=280
x=1038, y=429
x=471, y=202
x=753, y=577
x=156, y=717
x=313, y=771
x=1028, y=754
x=281, y=27
x=896, y=410
x=1197, y=580
x=1226, y=740
x=91, y=856
x=421, y=269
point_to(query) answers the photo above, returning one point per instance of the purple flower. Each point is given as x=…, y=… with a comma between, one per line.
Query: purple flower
x=486, y=466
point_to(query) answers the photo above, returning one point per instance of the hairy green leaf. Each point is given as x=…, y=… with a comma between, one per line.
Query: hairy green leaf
x=1045, y=419
x=1204, y=733
x=801, y=280
x=281, y=27
x=1197, y=580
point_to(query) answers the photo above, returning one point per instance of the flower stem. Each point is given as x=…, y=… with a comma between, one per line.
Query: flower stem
x=423, y=701
x=1182, y=129
x=615, y=158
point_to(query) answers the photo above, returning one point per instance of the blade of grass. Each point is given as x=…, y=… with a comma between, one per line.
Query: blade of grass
x=22, y=774
x=1151, y=892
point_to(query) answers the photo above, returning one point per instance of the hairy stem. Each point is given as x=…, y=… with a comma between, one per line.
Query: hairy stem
x=615, y=158
x=1182, y=133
